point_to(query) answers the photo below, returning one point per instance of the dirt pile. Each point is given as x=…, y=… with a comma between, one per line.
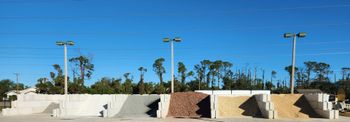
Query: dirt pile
x=293, y=106
x=189, y=104
x=240, y=106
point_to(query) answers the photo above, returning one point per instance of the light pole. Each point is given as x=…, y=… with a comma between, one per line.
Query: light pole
x=176, y=39
x=64, y=44
x=289, y=35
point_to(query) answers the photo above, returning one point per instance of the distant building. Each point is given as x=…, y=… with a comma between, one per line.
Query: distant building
x=22, y=92
x=309, y=91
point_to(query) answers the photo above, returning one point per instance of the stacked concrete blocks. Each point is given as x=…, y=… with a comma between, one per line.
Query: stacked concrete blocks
x=320, y=103
x=213, y=106
x=266, y=106
x=163, y=106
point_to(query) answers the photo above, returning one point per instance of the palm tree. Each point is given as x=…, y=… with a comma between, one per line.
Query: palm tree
x=128, y=84
x=217, y=67
x=273, y=75
x=310, y=67
x=182, y=71
x=85, y=66
x=206, y=65
x=159, y=69
x=141, y=84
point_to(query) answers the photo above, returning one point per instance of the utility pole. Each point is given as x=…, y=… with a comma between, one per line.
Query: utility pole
x=17, y=77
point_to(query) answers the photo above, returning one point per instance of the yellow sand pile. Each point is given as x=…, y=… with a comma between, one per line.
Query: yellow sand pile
x=241, y=106
x=292, y=106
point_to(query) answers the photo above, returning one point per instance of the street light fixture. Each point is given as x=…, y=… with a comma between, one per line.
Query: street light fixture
x=289, y=35
x=64, y=44
x=176, y=39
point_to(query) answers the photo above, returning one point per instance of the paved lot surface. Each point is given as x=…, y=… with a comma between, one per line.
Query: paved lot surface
x=47, y=118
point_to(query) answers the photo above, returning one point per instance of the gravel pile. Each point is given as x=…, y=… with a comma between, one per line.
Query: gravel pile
x=189, y=104
x=240, y=106
x=293, y=106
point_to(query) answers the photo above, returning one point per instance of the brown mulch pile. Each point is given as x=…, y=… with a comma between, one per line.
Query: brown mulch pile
x=293, y=106
x=189, y=104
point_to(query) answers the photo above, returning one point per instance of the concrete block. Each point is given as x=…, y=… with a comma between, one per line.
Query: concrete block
x=336, y=114
x=325, y=97
x=254, y=92
x=275, y=114
x=234, y=92
x=104, y=113
x=329, y=114
x=270, y=114
x=55, y=113
x=213, y=114
x=321, y=105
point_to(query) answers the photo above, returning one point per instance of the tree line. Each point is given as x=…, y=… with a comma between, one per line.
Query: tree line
x=206, y=75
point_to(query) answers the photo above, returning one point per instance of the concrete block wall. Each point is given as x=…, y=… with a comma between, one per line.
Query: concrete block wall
x=115, y=105
x=320, y=103
x=233, y=92
x=213, y=106
x=266, y=106
x=32, y=104
x=163, y=106
x=90, y=105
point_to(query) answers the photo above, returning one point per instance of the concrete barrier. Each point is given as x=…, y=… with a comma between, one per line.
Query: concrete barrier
x=115, y=105
x=33, y=104
x=163, y=106
x=83, y=105
x=213, y=106
x=266, y=106
x=233, y=92
x=321, y=105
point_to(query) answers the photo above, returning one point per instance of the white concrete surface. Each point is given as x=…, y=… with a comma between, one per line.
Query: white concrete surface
x=115, y=105
x=31, y=104
x=233, y=92
x=83, y=105
x=163, y=106
x=321, y=105
x=47, y=118
x=213, y=106
x=266, y=106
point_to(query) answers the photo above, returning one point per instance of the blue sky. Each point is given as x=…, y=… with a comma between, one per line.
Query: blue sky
x=124, y=35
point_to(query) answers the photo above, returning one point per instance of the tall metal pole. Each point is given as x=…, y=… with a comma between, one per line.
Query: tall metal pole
x=65, y=71
x=293, y=65
x=172, y=65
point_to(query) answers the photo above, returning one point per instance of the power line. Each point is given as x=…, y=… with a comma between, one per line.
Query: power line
x=194, y=29
x=181, y=48
x=173, y=14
